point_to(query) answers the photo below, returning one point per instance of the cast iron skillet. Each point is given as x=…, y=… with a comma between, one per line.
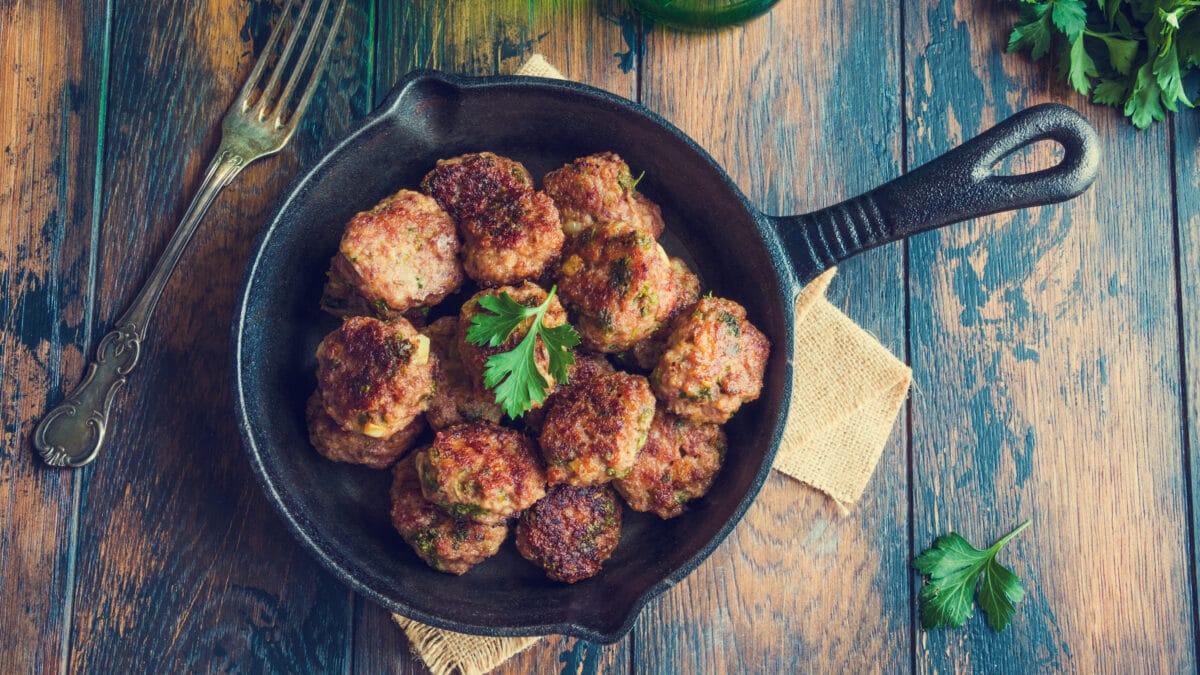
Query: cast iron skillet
x=340, y=512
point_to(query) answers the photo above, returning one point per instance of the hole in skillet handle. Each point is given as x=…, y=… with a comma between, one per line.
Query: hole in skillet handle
x=962, y=184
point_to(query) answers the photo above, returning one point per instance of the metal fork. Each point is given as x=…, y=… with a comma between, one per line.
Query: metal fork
x=259, y=123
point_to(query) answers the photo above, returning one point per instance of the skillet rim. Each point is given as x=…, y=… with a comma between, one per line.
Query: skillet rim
x=296, y=521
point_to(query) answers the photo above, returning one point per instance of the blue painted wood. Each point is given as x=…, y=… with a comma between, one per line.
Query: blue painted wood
x=1053, y=349
x=49, y=119
x=798, y=582
x=1187, y=195
x=182, y=565
x=1047, y=381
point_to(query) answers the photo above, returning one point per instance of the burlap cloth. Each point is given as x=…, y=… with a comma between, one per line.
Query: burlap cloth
x=846, y=391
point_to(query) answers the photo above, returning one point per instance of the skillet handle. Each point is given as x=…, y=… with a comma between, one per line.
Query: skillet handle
x=957, y=186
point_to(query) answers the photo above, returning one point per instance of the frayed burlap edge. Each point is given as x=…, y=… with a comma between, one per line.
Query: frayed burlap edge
x=846, y=392
x=446, y=652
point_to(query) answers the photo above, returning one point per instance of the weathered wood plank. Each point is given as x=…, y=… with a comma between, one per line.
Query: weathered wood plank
x=183, y=566
x=1047, y=376
x=1187, y=195
x=797, y=582
x=51, y=62
x=593, y=42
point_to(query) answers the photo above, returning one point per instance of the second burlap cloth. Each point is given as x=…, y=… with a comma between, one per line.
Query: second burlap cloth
x=846, y=392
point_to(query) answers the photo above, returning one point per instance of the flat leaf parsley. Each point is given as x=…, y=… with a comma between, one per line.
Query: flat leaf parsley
x=954, y=568
x=1130, y=54
x=513, y=375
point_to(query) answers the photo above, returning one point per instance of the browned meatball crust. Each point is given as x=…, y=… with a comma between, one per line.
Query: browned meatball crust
x=468, y=185
x=445, y=543
x=571, y=532
x=399, y=255
x=714, y=362
x=339, y=445
x=474, y=357
x=455, y=399
x=599, y=190
x=593, y=432
x=686, y=292
x=586, y=367
x=481, y=471
x=619, y=282
x=677, y=464
x=341, y=298
x=512, y=241
x=375, y=377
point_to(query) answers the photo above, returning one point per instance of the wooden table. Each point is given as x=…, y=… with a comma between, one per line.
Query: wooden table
x=1052, y=349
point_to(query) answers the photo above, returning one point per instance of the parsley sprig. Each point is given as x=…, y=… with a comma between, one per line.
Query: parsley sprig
x=513, y=375
x=1130, y=54
x=954, y=568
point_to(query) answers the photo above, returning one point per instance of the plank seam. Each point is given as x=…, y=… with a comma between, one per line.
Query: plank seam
x=89, y=319
x=639, y=56
x=1184, y=398
x=908, y=408
x=372, y=55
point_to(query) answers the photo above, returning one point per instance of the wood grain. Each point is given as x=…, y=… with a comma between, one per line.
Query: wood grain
x=1057, y=351
x=51, y=59
x=1187, y=196
x=593, y=42
x=183, y=566
x=1046, y=376
x=798, y=582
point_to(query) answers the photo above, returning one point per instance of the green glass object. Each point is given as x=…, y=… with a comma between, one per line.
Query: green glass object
x=699, y=14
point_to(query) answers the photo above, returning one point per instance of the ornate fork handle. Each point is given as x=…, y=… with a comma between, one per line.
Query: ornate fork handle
x=72, y=433
x=259, y=123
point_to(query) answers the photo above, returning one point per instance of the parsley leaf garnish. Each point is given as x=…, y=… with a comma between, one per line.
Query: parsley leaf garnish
x=1133, y=56
x=954, y=569
x=513, y=375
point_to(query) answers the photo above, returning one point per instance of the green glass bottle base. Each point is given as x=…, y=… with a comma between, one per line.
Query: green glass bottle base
x=701, y=14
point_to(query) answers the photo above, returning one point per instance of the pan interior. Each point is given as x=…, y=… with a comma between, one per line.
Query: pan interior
x=342, y=511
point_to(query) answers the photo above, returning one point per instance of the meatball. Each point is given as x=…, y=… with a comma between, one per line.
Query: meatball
x=677, y=464
x=512, y=241
x=455, y=400
x=399, y=255
x=468, y=185
x=445, y=543
x=714, y=362
x=375, y=377
x=339, y=445
x=593, y=432
x=599, y=190
x=571, y=532
x=481, y=471
x=586, y=367
x=619, y=282
x=646, y=353
x=474, y=357
x=341, y=298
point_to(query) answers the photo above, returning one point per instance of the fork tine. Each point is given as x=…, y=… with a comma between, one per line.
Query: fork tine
x=268, y=91
x=315, y=78
x=261, y=63
x=302, y=62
